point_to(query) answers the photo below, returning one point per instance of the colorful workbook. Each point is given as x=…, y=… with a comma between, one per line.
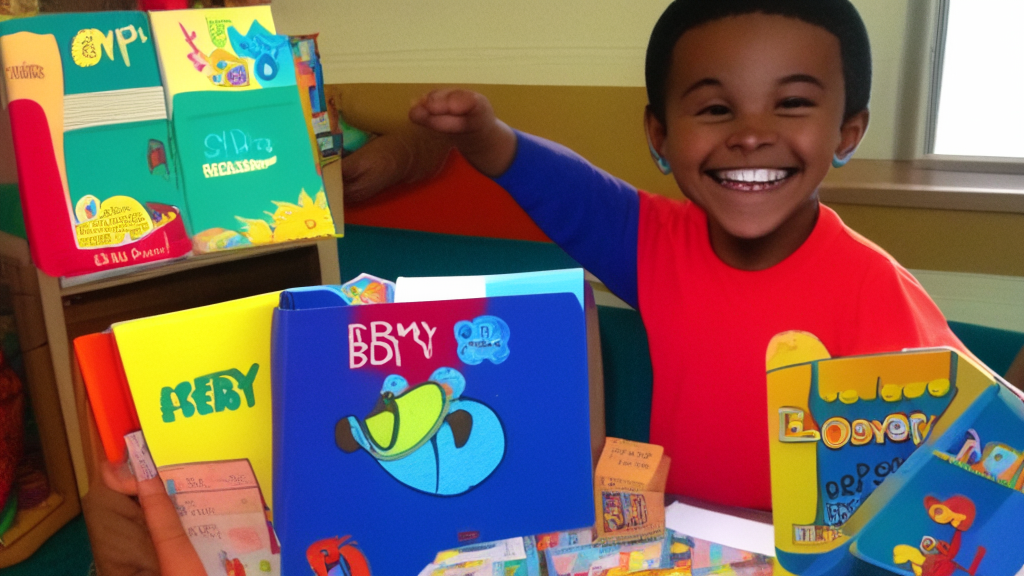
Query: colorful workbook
x=902, y=463
x=136, y=143
x=223, y=513
x=200, y=380
x=247, y=165
x=95, y=164
x=407, y=428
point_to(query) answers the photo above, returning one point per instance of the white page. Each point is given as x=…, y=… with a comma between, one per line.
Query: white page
x=500, y=551
x=739, y=533
x=431, y=289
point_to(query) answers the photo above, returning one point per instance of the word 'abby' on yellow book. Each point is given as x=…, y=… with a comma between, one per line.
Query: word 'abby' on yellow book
x=200, y=379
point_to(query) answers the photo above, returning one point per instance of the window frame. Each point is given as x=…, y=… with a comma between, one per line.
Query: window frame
x=924, y=156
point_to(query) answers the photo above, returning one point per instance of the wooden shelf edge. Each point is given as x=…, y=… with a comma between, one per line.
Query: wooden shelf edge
x=37, y=526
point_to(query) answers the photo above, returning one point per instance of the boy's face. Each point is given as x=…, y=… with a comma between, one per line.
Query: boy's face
x=753, y=116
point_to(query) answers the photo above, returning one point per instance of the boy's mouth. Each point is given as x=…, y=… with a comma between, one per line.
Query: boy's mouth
x=751, y=179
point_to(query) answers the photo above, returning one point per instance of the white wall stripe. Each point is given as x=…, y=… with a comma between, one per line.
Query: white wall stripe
x=985, y=299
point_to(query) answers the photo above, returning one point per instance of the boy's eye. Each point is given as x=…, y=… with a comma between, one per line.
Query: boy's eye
x=714, y=110
x=796, y=102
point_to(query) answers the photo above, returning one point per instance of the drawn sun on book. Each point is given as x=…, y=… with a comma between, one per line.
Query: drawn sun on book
x=307, y=219
x=428, y=436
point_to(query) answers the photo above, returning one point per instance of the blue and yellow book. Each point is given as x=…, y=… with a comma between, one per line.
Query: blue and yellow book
x=905, y=463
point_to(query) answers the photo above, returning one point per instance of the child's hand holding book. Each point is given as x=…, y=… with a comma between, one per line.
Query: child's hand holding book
x=175, y=554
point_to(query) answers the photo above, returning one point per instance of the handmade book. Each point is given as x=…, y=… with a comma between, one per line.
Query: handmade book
x=221, y=508
x=427, y=426
x=136, y=144
x=629, y=491
x=247, y=165
x=200, y=382
x=92, y=146
x=902, y=463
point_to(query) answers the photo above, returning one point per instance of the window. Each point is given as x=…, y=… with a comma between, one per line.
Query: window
x=977, y=94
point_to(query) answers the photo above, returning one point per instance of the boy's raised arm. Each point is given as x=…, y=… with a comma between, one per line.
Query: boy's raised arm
x=589, y=213
x=468, y=118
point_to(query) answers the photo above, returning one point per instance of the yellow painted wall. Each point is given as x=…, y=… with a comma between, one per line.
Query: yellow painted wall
x=558, y=43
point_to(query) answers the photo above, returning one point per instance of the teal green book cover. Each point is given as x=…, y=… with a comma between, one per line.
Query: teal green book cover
x=246, y=162
x=92, y=142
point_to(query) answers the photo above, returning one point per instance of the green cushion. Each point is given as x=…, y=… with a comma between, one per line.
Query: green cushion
x=628, y=379
x=995, y=347
x=389, y=253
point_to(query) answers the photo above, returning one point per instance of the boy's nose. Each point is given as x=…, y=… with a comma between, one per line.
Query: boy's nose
x=751, y=135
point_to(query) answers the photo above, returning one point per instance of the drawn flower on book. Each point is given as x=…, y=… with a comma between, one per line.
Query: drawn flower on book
x=428, y=436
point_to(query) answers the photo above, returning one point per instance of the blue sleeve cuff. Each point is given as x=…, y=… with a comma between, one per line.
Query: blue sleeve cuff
x=589, y=213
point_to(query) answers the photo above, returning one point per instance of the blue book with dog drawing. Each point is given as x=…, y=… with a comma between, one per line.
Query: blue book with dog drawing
x=404, y=429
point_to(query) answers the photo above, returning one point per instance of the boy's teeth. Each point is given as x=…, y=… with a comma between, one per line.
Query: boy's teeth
x=753, y=175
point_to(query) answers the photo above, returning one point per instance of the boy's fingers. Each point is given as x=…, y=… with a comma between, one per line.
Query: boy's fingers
x=464, y=102
x=175, y=552
x=449, y=124
x=445, y=123
x=419, y=114
x=119, y=477
x=436, y=102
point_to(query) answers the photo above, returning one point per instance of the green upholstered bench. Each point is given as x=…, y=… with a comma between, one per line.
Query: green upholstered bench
x=388, y=253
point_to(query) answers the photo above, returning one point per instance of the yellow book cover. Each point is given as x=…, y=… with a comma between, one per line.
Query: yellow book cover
x=219, y=49
x=200, y=379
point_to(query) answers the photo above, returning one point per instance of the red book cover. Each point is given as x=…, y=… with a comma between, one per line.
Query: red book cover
x=108, y=391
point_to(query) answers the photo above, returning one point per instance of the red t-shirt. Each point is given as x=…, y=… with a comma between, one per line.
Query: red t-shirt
x=709, y=326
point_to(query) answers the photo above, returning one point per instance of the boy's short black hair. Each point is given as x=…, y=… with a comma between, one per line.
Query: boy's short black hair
x=837, y=16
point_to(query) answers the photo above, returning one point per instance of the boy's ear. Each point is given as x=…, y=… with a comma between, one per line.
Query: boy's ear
x=851, y=133
x=655, y=138
x=655, y=130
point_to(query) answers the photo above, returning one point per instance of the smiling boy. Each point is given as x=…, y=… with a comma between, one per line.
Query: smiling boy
x=751, y=102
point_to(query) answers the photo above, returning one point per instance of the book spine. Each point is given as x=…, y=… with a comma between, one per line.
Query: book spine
x=35, y=90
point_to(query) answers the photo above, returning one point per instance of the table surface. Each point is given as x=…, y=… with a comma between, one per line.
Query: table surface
x=762, y=516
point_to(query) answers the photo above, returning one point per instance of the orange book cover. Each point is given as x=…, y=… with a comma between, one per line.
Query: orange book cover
x=108, y=391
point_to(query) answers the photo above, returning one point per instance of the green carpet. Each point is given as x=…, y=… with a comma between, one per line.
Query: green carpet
x=66, y=553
